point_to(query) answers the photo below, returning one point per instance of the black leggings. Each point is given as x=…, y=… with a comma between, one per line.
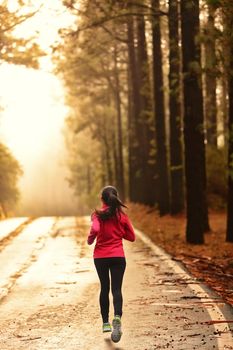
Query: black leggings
x=116, y=266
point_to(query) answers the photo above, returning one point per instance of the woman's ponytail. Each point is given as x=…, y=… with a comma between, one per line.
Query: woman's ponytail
x=110, y=197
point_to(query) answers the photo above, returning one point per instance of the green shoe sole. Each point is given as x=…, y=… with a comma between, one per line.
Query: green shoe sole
x=107, y=327
x=116, y=333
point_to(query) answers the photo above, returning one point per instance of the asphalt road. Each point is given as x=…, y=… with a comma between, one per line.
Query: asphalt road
x=49, y=294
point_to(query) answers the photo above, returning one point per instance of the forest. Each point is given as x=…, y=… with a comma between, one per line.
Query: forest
x=18, y=51
x=149, y=86
x=150, y=90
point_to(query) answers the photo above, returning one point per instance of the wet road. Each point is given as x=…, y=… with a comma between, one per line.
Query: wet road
x=49, y=294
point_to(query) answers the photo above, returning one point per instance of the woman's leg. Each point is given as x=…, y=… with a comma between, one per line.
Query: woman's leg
x=102, y=268
x=117, y=269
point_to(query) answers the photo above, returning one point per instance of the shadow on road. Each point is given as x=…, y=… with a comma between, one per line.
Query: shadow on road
x=110, y=345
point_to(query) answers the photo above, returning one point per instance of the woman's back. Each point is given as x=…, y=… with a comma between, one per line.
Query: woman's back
x=109, y=234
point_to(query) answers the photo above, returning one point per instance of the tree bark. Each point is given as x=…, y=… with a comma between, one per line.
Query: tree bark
x=162, y=164
x=229, y=235
x=89, y=178
x=193, y=123
x=135, y=156
x=229, y=17
x=176, y=159
x=120, y=168
x=103, y=174
x=107, y=153
x=210, y=79
x=224, y=105
x=146, y=116
x=115, y=159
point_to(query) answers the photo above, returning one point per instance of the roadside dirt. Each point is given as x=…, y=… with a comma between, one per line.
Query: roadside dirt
x=212, y=262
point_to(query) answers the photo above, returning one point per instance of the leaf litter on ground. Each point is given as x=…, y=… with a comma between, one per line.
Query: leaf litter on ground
x=211, y=263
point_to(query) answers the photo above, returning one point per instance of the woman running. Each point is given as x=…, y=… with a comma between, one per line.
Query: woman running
x=109, y=226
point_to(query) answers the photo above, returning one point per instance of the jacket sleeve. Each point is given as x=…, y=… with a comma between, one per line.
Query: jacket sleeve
x=129, y=233
x=94, y=230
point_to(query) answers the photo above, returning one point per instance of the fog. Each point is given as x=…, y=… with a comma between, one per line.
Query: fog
x=44, y=189
x=31, y=125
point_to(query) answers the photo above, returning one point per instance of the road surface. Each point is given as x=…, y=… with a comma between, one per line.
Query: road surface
x=49, y=294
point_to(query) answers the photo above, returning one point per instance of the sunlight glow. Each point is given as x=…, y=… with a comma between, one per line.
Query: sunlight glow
x=33, y=112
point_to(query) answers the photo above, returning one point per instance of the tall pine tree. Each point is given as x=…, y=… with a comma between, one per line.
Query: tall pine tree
x=193, y=122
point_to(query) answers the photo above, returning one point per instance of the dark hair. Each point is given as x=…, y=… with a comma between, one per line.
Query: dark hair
x=110, y=197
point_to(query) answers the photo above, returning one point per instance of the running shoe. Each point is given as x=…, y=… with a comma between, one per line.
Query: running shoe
x=107, y=327
x=116, y=333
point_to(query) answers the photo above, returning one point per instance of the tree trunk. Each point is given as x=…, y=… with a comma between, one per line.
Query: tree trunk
x=136, y=186
x=193, y=122
x=120, y=168
x=210, y=79
x=229, y=235
x=107, y=154
x=104, y=181
x=224, y=105
x=115, y=159
x=176, y=159
x=89, y=182
x=146, y=116
x=162, y=165
x=130, y=136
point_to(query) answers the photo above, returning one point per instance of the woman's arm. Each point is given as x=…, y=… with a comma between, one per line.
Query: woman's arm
x=94, y=230
x=129, y=234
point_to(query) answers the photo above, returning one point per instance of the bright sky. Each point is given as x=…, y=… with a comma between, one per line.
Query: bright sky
x=34, y=110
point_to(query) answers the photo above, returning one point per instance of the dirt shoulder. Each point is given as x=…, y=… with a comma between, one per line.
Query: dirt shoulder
x=212, y=262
